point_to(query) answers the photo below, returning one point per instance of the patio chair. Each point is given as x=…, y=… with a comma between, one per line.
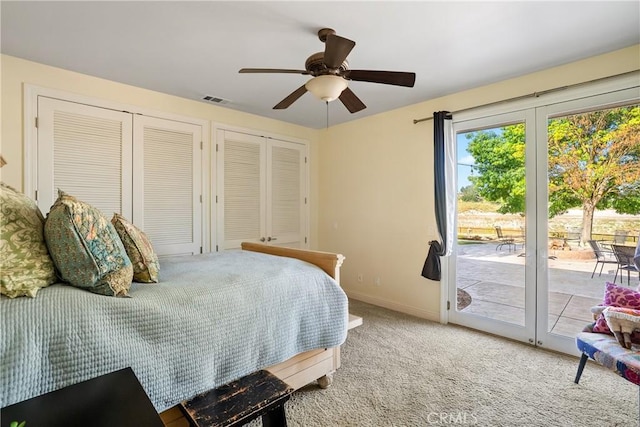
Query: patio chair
x=504, y=240
x=574, y=234
x=603, y=256
x=624, y=255
x=620, y=236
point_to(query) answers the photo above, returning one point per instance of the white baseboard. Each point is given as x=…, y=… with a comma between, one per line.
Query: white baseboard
x=407, y=309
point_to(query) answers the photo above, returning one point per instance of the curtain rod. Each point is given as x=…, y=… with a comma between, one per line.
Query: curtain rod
x=531, y=95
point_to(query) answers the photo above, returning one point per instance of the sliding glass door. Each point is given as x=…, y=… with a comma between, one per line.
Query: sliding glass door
x=591, y=169
x=536, y=189
x=493, y=264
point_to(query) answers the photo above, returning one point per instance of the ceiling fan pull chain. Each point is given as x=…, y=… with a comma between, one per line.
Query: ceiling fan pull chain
x=327, y=104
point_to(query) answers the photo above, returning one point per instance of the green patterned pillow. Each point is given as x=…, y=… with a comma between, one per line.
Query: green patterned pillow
x=25, y=264
x=145, y=261
x=86, y=249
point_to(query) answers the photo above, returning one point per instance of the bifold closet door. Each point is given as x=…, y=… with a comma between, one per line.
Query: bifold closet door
x=86, y=152
x=286, y=193
x=167, y=202
x=261, y=191
x=146, y=168
x=241, y=189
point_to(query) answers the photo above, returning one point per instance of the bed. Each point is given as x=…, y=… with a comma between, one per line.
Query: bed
x=211, y=319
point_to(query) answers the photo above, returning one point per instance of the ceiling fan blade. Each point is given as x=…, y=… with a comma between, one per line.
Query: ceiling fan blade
x=351, y=101
x=398, y=78
x=293, y=97
x=272, y=70
x=336, y=50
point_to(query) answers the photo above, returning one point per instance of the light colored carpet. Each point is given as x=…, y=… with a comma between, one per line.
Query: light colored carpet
x=399, y=370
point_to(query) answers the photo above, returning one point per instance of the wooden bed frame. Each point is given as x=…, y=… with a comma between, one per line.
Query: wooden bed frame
x=303, y=368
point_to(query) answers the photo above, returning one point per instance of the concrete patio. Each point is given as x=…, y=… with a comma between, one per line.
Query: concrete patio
x=495, y=281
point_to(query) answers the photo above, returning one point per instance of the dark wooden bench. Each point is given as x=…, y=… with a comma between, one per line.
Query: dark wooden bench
x=241, y=401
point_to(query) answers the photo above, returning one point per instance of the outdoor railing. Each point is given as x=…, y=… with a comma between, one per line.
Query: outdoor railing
x=490, y=233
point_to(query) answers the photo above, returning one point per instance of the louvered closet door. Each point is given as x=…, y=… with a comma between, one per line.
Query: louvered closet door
x=167, y=184
x=86, y=152
x=286, y=190
x=241, y=189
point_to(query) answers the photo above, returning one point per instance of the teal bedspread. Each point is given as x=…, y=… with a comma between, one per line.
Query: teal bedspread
x=211, y=319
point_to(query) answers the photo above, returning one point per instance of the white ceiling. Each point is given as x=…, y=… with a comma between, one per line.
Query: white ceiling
x=193, y=49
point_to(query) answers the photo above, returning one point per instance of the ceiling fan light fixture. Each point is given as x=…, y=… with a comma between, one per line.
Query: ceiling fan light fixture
x=327, y=87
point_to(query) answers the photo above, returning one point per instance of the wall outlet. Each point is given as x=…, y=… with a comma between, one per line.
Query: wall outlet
x=376, y=281
x=359, y=277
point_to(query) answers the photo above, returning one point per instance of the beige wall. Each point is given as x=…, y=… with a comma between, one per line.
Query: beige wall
x=16, y=72
x=376, y=186
x=372, y=179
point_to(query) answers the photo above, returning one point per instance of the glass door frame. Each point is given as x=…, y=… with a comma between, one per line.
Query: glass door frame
x=525, y=333
x=605, y=101
x=608, y=93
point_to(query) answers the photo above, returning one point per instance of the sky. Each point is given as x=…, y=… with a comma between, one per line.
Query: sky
x=464, y=161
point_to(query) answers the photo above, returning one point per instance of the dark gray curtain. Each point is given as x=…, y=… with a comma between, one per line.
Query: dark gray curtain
x=431, y=269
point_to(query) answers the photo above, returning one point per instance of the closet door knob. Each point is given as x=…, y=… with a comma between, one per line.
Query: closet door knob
x=271, y=238
x=262, y=239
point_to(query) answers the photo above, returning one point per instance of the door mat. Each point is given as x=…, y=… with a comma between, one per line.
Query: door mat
x=464, y=299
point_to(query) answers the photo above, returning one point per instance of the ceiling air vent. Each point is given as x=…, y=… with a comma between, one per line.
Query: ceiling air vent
x=215, y=100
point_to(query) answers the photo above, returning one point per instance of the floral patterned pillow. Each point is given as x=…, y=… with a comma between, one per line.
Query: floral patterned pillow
x=86, y=249
x=25, y=264
x=145, y=261
x=616, y=296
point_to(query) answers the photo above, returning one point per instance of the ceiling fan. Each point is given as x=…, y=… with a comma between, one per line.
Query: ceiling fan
x=330, y=72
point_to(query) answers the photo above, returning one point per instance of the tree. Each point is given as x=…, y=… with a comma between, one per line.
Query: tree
x=499, y=161
x=470, y=194
x=593, y=162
